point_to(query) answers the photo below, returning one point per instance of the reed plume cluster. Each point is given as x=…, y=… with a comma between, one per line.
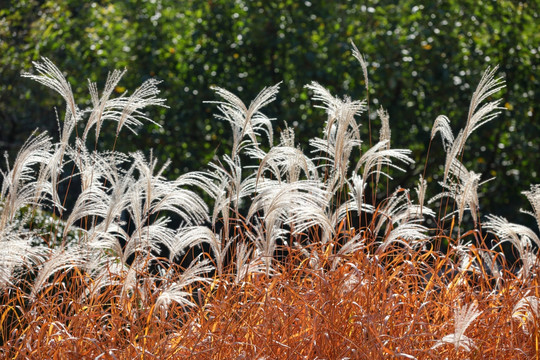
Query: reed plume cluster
x=271, y=252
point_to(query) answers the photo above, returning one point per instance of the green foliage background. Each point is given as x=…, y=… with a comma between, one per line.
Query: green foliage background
x=424, y=60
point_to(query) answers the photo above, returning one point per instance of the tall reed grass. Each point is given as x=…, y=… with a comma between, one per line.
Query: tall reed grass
x=297, y=254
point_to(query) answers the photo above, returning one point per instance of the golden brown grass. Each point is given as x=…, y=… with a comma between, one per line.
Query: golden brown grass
x=367, y=308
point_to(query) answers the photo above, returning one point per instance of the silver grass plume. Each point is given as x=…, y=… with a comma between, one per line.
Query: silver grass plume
x=148, y=197
x=52, y=77
x=125, y=110
x=246, y=121
x=335, y=164
x=398, y=209
x=442, y=126
x=353, y=245
x=61, y=259
x=94, y=199
x=463, y=188
x=281, y=203
x=129, y=279
x=247, y=263
x=20, y=187
x=243, y=256
x=477, y=116
x=217, y=184
x=176, y=291
x=465, y=259
x=264, y=236
x=105, y=271
x=529, y=263
x=489, y=262
x=309, y=216
x=355, y=201
x=379, y=155
x=285, y=160
x=385, y=136
x=467, y=196
x=131, y=115
x=393, y=205
x=526, y=310
x=53, y=170
x=152, y=194
x=452, y=152
x=533, y=196
x=104, y=196
x=487, y=86
x=521, y=237
x=340, y=113
x=463, y=318
x=16, y=251
x=410, y=234
x=362, y=62
x=105, y=234
x=101, y=106
x=189, y=237
x=421, y=192
x=226, y=185
x=284, y=199
x=231, y=179
x=145, y=240
x=341, y=132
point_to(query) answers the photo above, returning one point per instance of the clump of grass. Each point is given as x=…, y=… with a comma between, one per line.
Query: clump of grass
x=297, y=255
